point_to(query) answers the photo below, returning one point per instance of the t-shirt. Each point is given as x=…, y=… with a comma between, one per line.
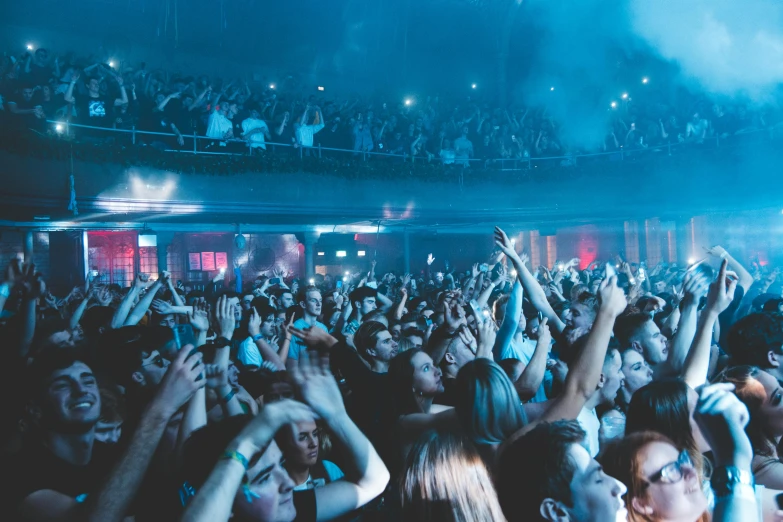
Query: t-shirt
x=35, y=468
x=94, y=111
x=588, y=420
x=257, y=139
x=218, y=125
x=296, y=345
x=329, y=472
x=304, y=502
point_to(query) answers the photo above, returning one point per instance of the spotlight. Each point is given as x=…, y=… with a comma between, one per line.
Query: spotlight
x=320, y=88
x=513, y=272
x=691, y=260
x=645, y=79
x=59, y=128
x=29, y=47
x=271, y=85
x=321, y=253
x=625, y=96
x=312, y=281
x=473, y=86
x=614, y=105
x=551, y=88
x=347, y=273
x=111, y=63
x=408, y=102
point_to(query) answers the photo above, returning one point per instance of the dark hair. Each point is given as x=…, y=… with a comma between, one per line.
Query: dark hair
x=362, y=293
x=413, y=332
x=537, y=466
x=122, y=352
x=751, y=392
x=627, y=326
x=662, y=406
x=96, y=318
x=261, y=304
x=751, y=339
x=42, y=368
x=366, y=337
x=262, y=381
x=401, y=383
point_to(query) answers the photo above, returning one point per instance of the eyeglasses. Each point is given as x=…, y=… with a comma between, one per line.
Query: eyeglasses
x=158, y=360
x=673, y=472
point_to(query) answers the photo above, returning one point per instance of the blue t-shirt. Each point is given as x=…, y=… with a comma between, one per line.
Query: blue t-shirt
x=296, y=343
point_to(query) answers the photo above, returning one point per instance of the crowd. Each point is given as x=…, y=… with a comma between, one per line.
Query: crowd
x=501, y=392
x=238, y=117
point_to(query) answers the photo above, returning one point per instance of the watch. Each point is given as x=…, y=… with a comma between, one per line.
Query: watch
x=728, y=478
x=220, y=342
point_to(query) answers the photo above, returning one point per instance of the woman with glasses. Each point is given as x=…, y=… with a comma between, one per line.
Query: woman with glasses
x=664, y=483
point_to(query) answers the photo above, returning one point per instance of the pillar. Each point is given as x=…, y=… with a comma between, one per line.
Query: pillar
x=28, y=246
x=310, y=239
x=164, y=239
x=406, y=242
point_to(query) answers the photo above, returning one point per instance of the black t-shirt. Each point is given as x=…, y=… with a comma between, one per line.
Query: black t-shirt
x=95, y=111
x=304, y=502
x=35, y=468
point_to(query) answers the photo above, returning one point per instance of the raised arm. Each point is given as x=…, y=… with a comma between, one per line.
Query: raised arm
x=745, y=278
x=366, y=475
x=121, y=314
x=534, y=291
x=69, y=93
x=720, y=296
x=510, y=322
x=694, y=288
x=533, y=375
x=144, y=304
x=267, y=352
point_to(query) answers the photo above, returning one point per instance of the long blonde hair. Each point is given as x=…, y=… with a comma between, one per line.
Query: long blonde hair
x=444, y=479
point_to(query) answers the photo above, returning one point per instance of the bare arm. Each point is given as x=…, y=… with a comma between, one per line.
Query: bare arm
x=144, y=304
x=686, y=328
x=533, y=375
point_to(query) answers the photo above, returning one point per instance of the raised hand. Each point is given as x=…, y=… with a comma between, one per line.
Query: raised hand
x=467, y=337
x=722, y=418
x=430, y=259
x=142, y=281
x=198, y=318
x=216, y=376
x=474, y=271
x=504, y=243
x=612, y=297
x=254, y=322
x=162, y=307
x=722, y=290
x=224, y=317
x=717, y=251
x=544, y=334
x=317, y=386
x=313, y=336
x=487, y=333
x=183, y=377
x=694, y=287
x=454, y=316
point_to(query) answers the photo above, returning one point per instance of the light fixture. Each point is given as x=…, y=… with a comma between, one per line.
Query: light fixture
x=614, y=105
x=408, y=101
x=551, y=88
x=111, y=63
x=361, y=253
x=29, y=47
x=645, y=80
x=625, y=96
x=312, y=281
x=473, y=86
x=320, y=88
x=271, y=85
x=513, y=272
x=59, y=127
x=321, y=253
x=347, y=273
x=341, y=253
x=691, y=260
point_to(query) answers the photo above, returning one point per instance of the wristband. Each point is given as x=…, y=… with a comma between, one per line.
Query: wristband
x=728, y=479
x=724, y=255
x=221, y=342
x=235, y=455
x=228, y=397
x=256, y=337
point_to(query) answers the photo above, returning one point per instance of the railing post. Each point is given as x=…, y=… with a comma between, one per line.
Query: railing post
x=195, y=141
x=319, y=151
x=133, y=134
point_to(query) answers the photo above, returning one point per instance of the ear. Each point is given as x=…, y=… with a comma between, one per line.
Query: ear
x=552, y=511
x=138, y=378
x=638, y=505
x=371, y=352
x=772, y=359
x=638, y=347
x=449, y=358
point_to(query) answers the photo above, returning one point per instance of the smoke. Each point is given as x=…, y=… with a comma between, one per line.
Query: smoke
x=727, y=47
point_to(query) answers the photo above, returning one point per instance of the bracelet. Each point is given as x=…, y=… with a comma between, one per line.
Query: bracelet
x=256, y=337
x=228, y=397
x=725, y=480
x=235, y=455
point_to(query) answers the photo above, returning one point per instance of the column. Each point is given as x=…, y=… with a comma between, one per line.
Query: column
x=164, y=239
x=310, y=239
x=28, y=246
x=406, y=242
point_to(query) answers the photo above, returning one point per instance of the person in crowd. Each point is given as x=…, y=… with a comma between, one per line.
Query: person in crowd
x=95, y=109
x=302, y=445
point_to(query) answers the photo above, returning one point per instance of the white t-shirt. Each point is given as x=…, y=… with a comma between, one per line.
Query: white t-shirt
x=248, y=353
x=297, y=344
x=333, y=473
x=589, y=422
x=256, y=139
x=218, y=125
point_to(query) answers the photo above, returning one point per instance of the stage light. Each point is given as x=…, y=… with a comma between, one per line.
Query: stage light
x=59, y=128
x=312, y=281
x=551, y=88
x=473, y=86
x=341, y=253
x=29, y=47
x=625, y=96
x=320, y=88
x=513, y=272
x=614, y=105
x=361, y=253
x=271, y=85
x=408, y=102
x=645, y=80
x=321, y=253
x=111, y=63
x=691, y=260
